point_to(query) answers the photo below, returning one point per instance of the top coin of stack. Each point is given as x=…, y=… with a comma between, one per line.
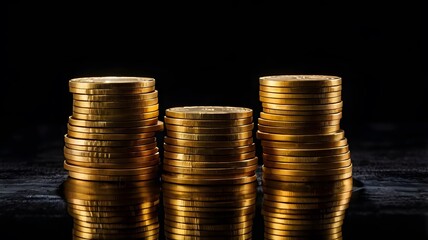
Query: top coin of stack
x=307, y=172
x=111, y=134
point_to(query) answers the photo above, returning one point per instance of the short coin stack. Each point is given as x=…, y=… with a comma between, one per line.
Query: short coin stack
x=111, y=138
x=307, y=172
x=209, y=181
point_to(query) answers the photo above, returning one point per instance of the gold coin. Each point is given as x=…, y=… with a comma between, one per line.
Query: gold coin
x=204, y=130
x=307, y=166
x=300, y=81
x=300, y=101
x=111, y=82
x=305, y=206
x=292, y=107
x=220, y=213
x=300, y=95
x=310, y=145
x=303, y=222
x=341, y=209
x=306, y=152
x=112, y=149
x=115, y=231
x=299, y=131
x=114, y=98
x=116, y=111
x=106, y=91
x=190, y=189
x=304, y=216
x=301, y=173
x=84, y=159
x=205, y=204
x=317, y=193
x=110, y=185
x=329, y=137
x=208, y=123
x=208, y=227
x=175, y=178
x=122, y=225
x=119, y=117
x=191, y=164
x=219, y=210
x=324, y=178
x=90, y=177
x=110, y=136
x=110, y=155
x=304, y=200
x=106, y=203
x=327, y=188
x=300, y=89
x=301, y=113
x=208, y=221
x=298, y=125
x=208, y=144
x=175, y=236
x=120, y=165
x=112, y=124
x=116, y=193
x=293, y=159
x=115, y=236
x=203, y=233
x=314, y=118
x=210, y=171
x=153, y=128
x=209, y=151
x=145, y=211
x=209, y=112
x=307, y=227
x=108, y=172
x=204, y=197
x=116, y=104
x=270, y=236
x=210, y=137
x=209, y=158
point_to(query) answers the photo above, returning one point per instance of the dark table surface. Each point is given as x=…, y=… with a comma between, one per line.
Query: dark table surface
x=390, y=199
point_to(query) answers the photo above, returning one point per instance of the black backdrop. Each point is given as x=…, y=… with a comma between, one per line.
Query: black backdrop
x=213, y=54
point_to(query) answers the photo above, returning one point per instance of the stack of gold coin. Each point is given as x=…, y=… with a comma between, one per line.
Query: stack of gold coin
x=113, y=210
x=111, y=138
x=307, y=171
x=209, y=181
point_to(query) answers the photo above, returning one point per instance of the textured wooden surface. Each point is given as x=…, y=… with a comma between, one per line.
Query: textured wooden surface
x=390, y=199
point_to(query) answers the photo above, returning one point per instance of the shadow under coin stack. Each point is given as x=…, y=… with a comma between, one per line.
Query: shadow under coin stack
x=112, y=158
x=208, y=181
x=307, y=171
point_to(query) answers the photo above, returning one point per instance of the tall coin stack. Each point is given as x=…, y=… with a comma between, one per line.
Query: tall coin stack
x=307, y=172
x=209, y=182
x=112, y=158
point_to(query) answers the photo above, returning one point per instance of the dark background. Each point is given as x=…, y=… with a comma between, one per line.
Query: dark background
x=213, y=54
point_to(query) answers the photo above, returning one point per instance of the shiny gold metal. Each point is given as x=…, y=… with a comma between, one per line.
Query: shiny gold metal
x=111, y=91
x=318, y=188
x=179, y=179
x=209, y=151
x=307, y=166
x=141, y=177
x=306, y=90
x=116, y=111
x=110, y=155
x=116, y=172
x=295, y=118
x=121, y=104
x=306, y=152
x=110, y=160
x=301, y=101
x=315, y=159
x=228, y=164
x=298, y=178
x=208, y=123
x=301, y=113
x=123, y=123
x=309, y=107
x=108, y=143
x=110, y=136
x=114, y=98
x=211, y=171
x=210, y=137
x=301, y=173
x=298, y=125
x=300, y=81
x=205, y=130
x=298, y=131
x=209, y=112
x=328, y=137
x=208, y=144
x=120, y=117
x=309, y=145
x=111, y=82
x=117, y=165
x=112, y=149
x=300, y=95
